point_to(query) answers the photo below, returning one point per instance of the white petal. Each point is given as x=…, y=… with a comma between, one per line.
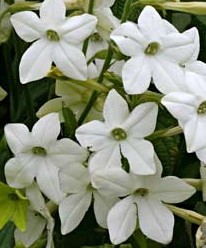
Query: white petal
x=48, y=181
x=112, y=182
x=197, y=67
x=94, y=135
x=77, y=28
x=142, y=120
x=65, y=151
x=18, y=137
x=140, y=155
x=72, y=210
x=171, y=190
x=136, y=75
x=167, y=76
x=195, y=39
x=121, y=220
x=52, y=12
x=115, y=109
x=34, y=229
x=74, y=178
x=46, y=129
x=36, y=61
x=102, y=205
x=70, y=60
x=27, y=25
x=155, y=220
x=151, y=24
x=181, y=105
x=201, y=154
x=20, y=172
x=106, y=158
x=128, y=38
x=194, y=131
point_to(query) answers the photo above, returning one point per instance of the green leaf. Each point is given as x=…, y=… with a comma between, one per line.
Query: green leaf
x=70, y=122
x=6, y=236
x=13, y=207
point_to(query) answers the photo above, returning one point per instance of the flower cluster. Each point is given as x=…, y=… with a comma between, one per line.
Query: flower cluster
x=110, y=163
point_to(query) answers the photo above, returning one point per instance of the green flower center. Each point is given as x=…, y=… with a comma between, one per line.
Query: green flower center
x=202, y=108
x=40, y=151
x=96, y=37
x=52, y=35
x=119, y=134
x=13, y=197
x=141, y=192
x=152, y=48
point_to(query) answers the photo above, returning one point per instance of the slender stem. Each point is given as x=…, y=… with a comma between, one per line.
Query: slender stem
x=86, y=42
x=196, y=183
x=95, y=94
x=165, y=133
x=126, y=11
x=187, y=215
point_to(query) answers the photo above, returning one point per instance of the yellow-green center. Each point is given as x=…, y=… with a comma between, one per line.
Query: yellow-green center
x=202, y=108
x=40, y=151
x=152, y=48
x=52, y=35
x=119, y=134
x=96, y=37
x=141, y=192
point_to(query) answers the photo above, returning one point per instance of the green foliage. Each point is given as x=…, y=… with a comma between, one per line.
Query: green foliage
x=6, y=236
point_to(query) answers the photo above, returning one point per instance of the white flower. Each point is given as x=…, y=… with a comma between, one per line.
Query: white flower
x=121, y=132
x=38, y=154
x=39, y=217
x=156, y=49
x=145, y=196
x=189, y=108
x=59, y=40
x=75, y=180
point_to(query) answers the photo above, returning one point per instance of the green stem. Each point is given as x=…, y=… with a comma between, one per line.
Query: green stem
x=86, y=42
x=95, y=94
x=165, y=133
x=187, y=215
x=126, y=11
x=196, y=183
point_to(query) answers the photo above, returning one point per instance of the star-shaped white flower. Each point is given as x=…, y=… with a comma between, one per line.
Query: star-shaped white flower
x=57, y=39
x=75, y=180
x=38, y=154
x=189, y=108
x=145, y=197
x=121, y=132
x=156, y=49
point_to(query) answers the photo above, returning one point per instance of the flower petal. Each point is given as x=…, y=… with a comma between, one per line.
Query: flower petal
x=48, y=181
x=72, y=210
x=201, y=154
x=115, y=109
x=46, y=129
x=20, y=172
x=102, y=205
x=111, y=182
x=140, y=155
x=74, y=178
x=36, y=61
x=70, y=60
x=171, y=189
x=192, y=79
x=128, y=38
x=52, y=12
x=142, y=120
x=136, y=75
x=77, y=28
x=156, y=220
x=106, y=158
x=93, y=135
x=18, y=137
x=122, y=220
x=27, y=25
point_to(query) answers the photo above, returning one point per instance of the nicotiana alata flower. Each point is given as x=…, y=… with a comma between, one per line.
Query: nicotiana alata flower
x=145, y=196
x=156, y=50
x=121, y=132
x=58, y=39
x=38, y=154
x=189, y=108
x=75, y=180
